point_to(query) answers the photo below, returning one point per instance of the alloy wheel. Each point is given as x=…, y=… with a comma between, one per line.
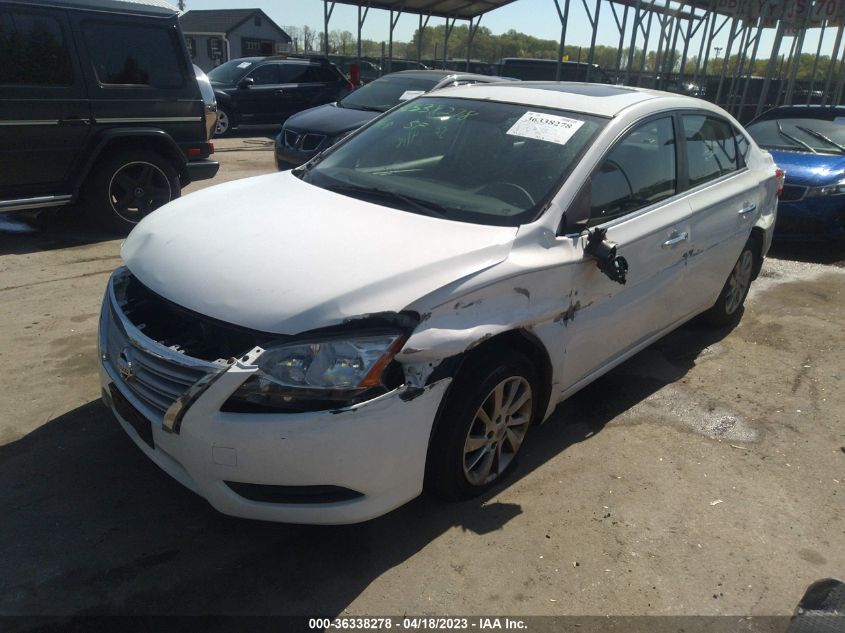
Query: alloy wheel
x=222, y=123
x=497, y=430
x=739, y=281
x=138, y=188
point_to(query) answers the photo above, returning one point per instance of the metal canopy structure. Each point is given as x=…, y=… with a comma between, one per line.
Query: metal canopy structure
x=456, y=9
x=672, y=22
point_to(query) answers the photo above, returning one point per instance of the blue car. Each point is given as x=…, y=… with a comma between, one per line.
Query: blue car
x=808, y=143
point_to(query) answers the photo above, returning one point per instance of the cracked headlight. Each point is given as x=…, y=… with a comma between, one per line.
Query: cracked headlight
x=309, y=375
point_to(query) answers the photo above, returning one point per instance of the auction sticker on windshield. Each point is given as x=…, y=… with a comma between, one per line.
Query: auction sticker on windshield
x=545, y=127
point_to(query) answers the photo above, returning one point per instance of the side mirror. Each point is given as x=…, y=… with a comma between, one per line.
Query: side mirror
x=604, y=252
x=577, y=216
x=246, y=82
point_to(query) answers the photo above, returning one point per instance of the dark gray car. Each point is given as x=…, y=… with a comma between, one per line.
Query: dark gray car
x=311, y=131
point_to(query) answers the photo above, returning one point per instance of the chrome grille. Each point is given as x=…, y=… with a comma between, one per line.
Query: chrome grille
x=150, y=375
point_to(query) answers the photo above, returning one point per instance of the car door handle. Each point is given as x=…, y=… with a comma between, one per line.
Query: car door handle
x=683, y=236
x=748, y=208
x=74, y=121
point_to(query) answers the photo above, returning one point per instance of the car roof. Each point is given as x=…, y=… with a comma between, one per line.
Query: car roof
x=601, y=99
x=434, y=75
x=158, y=8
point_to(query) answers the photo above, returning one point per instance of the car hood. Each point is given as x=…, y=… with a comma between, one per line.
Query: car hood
x=329, y=119
x=804, y=168
x=279, y=255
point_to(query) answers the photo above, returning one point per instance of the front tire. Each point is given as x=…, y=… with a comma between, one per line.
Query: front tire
x=127, y=185
x=490, y=408
x=728, y=307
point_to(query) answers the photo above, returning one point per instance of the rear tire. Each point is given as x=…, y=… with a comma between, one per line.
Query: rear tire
x=127, y=185
x=225, y=124
x=728, y=307
x=490, y=409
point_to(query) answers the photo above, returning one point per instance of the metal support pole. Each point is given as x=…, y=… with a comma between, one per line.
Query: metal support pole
x=621, y=28
x=633, y=44
x=840, y=84
x=595, y=33
x=799, y=47
x=726, y=59
x=658, y=59
x=743, y=100
x=687, y=37
x=420, y=32
x=393, y=24
x=816, y=62
x=446, y=35
x=713, y=34
x=645, y=45
x=471, y=36
x=327, y=15
x=360, y=26
x=832, y=65
x=564, y=19
x=709, y=21
x=740, y=66
x=672, y=51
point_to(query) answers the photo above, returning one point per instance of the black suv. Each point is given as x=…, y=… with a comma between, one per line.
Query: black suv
x=256, y=90
x=98, y=101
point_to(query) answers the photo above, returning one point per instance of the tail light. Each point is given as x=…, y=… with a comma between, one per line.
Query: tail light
x=780, y=175
x=355, y=75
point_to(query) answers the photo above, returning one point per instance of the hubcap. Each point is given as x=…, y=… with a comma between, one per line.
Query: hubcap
x=497, y=430
x=138, y=188
x=739, y=281
x=222, y=122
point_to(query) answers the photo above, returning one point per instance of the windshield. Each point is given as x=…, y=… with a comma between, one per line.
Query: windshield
x=384, y=93
x=461, y=159
x=230, y=72
x=822, y=136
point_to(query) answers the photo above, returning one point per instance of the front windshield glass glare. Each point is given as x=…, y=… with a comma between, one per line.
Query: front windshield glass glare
x=230, y=72
x=824, y=136
x=382, y=94
x=472, y=161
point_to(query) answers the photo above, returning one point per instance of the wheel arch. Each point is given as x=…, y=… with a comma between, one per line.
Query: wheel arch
x=122, y=138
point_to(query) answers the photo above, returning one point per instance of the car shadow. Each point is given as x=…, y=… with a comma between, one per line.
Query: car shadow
x=831, y=253
x=92, y=527
x=22, y=233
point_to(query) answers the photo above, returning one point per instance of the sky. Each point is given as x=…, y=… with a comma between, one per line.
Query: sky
x=535, y=17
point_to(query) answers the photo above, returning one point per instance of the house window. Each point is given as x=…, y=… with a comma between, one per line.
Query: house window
x=215, y=48
x=257, y=20
x=191, y=43
x=255, y=47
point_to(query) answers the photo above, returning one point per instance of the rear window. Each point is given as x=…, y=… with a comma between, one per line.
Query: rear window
x=33, y=50
x=134, y=55
x=384, y=93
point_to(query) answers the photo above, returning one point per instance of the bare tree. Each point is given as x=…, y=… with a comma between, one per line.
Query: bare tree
x=295, y=35
x=307, y=38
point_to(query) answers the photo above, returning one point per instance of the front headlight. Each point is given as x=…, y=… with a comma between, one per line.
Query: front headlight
x=308, y=375
x=836, y=189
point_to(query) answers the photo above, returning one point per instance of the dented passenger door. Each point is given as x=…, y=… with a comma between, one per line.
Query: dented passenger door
x=634, y=196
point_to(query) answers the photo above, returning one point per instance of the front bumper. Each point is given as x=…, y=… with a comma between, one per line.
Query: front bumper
x=811, y=219
x=376, y=449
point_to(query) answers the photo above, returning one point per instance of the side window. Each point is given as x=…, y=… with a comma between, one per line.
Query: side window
x=294, y=73
x=711, y=148
x=268, y=74
x=134, y=54
x=191, y=43
x=321, y=74
x=34, y=50
x=638, y=172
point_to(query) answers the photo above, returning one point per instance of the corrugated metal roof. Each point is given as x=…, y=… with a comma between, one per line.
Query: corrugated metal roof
x=463, y=9
x=213, y=20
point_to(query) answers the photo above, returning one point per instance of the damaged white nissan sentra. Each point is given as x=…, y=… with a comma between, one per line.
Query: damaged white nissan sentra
x=317, y=346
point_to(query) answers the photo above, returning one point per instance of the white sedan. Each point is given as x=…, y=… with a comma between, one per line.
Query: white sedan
x=319, y=346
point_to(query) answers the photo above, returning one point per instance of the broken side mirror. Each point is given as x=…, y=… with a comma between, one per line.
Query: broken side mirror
x=604, y=252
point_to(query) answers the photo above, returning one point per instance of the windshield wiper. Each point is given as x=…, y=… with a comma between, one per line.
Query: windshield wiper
x=793, y=139
x=422, y=206
x=821, y=137
x=368, y=108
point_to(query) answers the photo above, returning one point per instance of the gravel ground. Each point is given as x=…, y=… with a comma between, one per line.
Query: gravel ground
x=704, y=476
